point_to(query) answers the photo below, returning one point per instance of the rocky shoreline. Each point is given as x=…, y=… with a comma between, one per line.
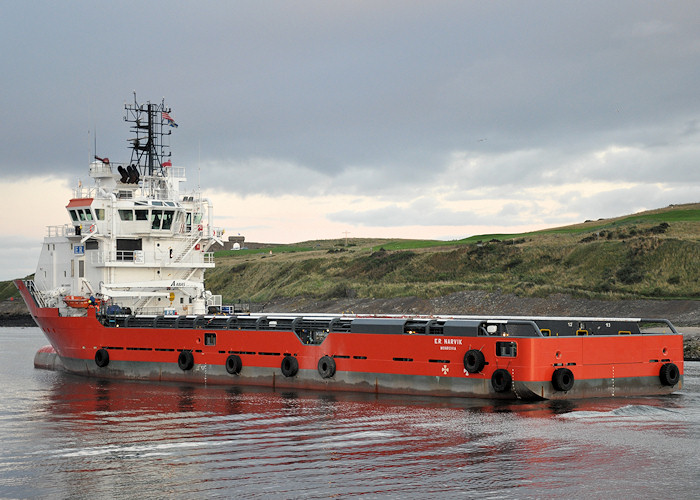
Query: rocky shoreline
x=691, y=346
x=13, y=312
x=685, y=314
x=16, y=320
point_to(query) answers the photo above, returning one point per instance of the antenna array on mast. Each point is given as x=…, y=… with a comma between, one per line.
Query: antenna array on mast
x=148, y=148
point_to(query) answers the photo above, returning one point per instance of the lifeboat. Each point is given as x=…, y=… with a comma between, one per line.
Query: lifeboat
x=79, y=302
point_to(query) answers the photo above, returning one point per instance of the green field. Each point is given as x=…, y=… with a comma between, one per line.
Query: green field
x=653, y=254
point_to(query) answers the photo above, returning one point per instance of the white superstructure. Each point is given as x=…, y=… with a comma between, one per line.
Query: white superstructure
x=135, y=240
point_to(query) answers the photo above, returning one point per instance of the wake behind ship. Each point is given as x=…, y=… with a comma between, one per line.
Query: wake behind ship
x=119, y=293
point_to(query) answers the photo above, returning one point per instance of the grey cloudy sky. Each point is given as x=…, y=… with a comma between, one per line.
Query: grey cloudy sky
x=418, y=119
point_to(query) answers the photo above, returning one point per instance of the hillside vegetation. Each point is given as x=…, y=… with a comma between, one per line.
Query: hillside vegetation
x=653, y=254
x=9, y=290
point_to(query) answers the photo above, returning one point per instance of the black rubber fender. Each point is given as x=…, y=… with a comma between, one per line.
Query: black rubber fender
x=326, y=367
x=501, y=380
x=290, y=366
x=474, y=361
x=669, y=374
x=234, y=364
x=185, y=360
x=563, y=379
x=102, y=358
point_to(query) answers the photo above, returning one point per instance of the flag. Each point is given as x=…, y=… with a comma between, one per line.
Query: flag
x=169, y=119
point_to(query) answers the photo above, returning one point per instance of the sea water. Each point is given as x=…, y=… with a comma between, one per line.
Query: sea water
x=64, y=436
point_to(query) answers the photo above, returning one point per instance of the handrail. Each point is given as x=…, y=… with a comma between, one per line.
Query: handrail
x=659, y=320
x=34, y=293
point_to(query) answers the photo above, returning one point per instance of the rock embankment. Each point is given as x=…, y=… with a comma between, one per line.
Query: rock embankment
x=691, y=346
x=476, y=302
x=15, y=313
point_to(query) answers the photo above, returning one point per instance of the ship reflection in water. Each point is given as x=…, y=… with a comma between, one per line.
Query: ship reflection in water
x=88, y=437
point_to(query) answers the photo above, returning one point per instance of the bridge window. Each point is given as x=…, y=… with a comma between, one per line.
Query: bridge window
x=156, y=216
x=84, y=214
x=167, y=219
x=126, y=214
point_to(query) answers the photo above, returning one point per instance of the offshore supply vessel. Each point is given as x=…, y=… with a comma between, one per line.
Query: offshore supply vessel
x=119, y=293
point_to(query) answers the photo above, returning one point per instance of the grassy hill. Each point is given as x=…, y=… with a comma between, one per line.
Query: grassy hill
x=9, y=290
x=654, y=254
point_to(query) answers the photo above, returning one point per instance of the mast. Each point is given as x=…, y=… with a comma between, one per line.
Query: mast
x=148, y=147
x=150, y=143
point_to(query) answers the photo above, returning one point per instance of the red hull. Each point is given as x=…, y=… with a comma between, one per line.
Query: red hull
x=599, y=366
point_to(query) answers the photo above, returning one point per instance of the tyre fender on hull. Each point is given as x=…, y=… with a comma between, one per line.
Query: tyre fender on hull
x=326, y=367
x=290, y=366
x=501, y=380
x=669, y=374
x=563, y=379
x=185, y=360
x=234, y=364
x=474, y=361
x=102, y=358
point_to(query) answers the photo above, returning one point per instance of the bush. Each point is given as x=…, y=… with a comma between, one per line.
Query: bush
x=513, y=263
x=339, y=291
x=629, y=274
x=660, y=229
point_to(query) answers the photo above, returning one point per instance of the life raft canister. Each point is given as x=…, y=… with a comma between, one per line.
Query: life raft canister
x=501, y=380
x=290, y=366
x=326, y=367
x=185, y=360
x=562, y=379
x=234, y=364
x=474, y=361
x=102, y=358
x=669, y=374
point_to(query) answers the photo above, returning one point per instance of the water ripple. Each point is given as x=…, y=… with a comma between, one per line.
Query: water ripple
x=68, y=437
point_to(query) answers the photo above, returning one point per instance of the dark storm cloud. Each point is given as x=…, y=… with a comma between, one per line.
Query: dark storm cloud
x=359, y=97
